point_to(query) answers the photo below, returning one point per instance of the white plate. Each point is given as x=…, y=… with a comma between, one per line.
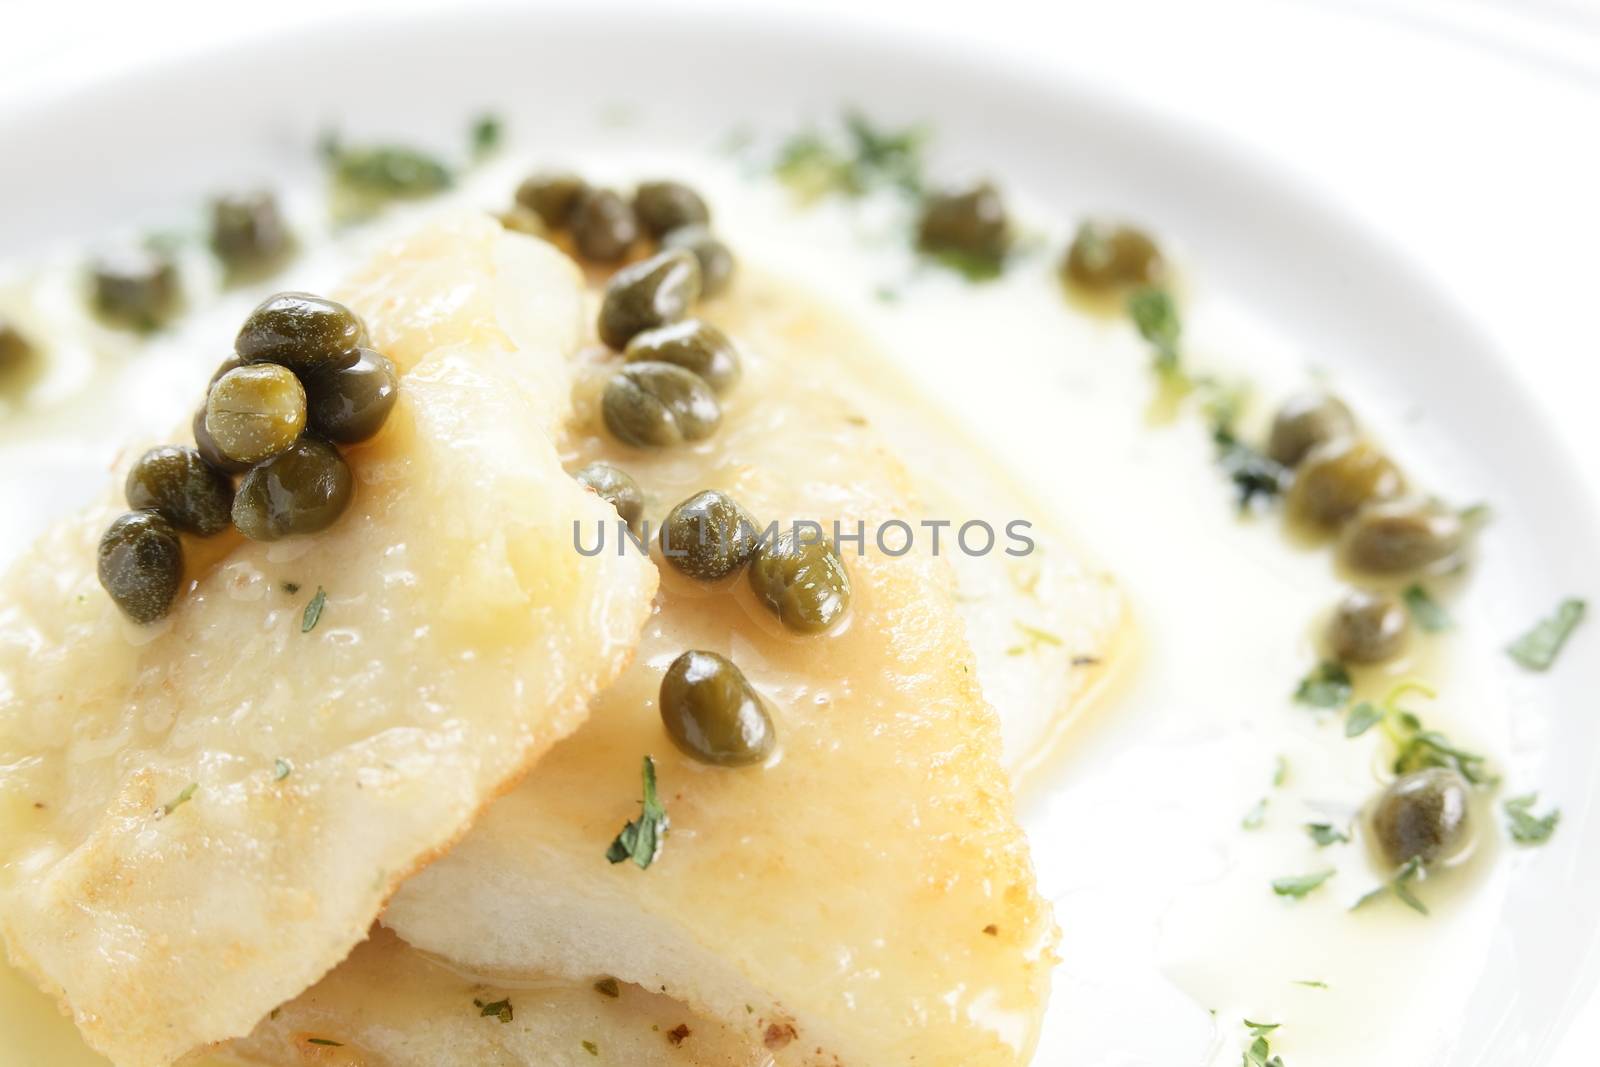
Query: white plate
x=154, y=142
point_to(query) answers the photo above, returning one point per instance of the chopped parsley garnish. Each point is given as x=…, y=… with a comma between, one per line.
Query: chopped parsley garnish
x=384, y=172
x=1256, y=816
x=1254, y=474
x=1259, y=1052
x=281, y=769
x=487, y=132
x=1363, y=717
x=642, y=838
x=1033, y=637
x=1537, y=649
x=1327, y=686
x=497, y=1009
x=865, y=158
x=1325, y=834
x=180, y=800
x=1425, y=610
x=1297, y=886
x=1526, y=827
x=1311, y=983
x=1400, y=886
x=313, y=612
x=591, y=1048
x=1416, y=747
x=1155, y=316
x=324, y=1042
x=1280, y=772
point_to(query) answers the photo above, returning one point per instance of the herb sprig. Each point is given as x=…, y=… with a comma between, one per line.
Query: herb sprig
x=1537, y=649
x=642, y=838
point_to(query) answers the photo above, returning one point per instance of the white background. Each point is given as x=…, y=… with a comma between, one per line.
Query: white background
x=1469, y=132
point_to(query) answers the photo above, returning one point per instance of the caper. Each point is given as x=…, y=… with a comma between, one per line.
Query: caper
x=662, y=207
x=693, y=345
x=712, y=712
x=603, y=226
x=802, y=581
x=141, y=564
x=972, y=224
x=716, y=260
x=552, y=197
x=1107, y=256
x=136, y=288
x=1367, y=627
x=305, y=333
x=652, y=405
x=255, y=411
x=709, y=536
x=247, y=230
x=15, y=351
x=187, y=491
x=1305, y=421
x=206, y=445
x=350, y=404
x=1337, y=478
x=616, y=487
x=299, y=491
x=1401, y=536
x=1421, y=816
x=651, y=293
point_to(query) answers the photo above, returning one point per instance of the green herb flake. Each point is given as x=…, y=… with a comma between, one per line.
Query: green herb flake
x=608, y=987
x=313, y=613
x=1327, y=686
x=1400, y=886
x=1537, y=649
x=1363, y=717
x=1155, y=316
x=1280, y=772
x=1311, y=983
x=642, y=838
x=496, y=1009
x=488, y=130
x=1032, y=639
x=1526, y=827
x=1325, y=834
x=866, y=158
x=1254, y=474
x=1427, y=612
x=1256, y=817
x=281, y=768
x=326, y=1043
x=1259, y=1052
x=591, y=1048
x=180, y=800
x=384, y=172
x=1297, y=886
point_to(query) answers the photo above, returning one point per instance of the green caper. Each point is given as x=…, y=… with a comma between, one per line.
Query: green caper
x=1107, y=256
x=141, y=564
x=1305, y=421
x=802, y=581
x=709, y=536
x=603, y=226
x=1401, y=536
x=693, y=345
x=650, y=293
x=1367, y=627
x=1421, y=816
x=616, y=487
x=716, y=260
x=712, y=712
x=970, y=224
x=305, y=333
x=662, y=207
x=350, y=404
x=247, y=230
x=136, y=288
x=1337, y=478
x=187, y=491
x=552, y=197
x=299, y=491
x=652, y=405
x=255, y=411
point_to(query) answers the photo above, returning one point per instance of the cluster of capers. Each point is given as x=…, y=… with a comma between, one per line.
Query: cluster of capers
x=139, y=287
x=302, y=381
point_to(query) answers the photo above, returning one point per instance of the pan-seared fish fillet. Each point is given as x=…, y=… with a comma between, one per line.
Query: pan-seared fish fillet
x=209, y=812
x=388, y=1005
x=864, y=899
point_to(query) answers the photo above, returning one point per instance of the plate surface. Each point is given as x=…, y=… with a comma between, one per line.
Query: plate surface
x=1342, y=299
